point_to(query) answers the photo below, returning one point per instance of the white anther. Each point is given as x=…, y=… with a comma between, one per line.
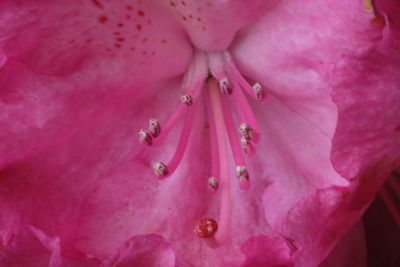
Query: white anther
x=242, y=173
x=160, y=169
x=187, y=100
x=224, y=86
x=245, y=131
x=145, y=137
x=245, y=142
x=213, y=183
x=154, y=127
x=259, y=90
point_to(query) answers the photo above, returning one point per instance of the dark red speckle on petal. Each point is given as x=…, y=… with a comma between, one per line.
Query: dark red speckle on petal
x=397, y=129
x=172, y=4
x=97, y=3
x=205, y=227
x=140, y=13
x=103, y=19
x=129, y=7
x=139, y=27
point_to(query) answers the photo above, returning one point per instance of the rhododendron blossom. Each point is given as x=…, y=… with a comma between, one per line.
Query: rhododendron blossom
x=194, y=132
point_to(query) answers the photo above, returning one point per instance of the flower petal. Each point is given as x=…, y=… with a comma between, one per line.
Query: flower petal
x=59, y=37
x=317, y=223
x=266, y=251
x=48, y=81
x=143, y=251
x=212, y=25
x=31, y=247
x=351, y=250
x=300, y=62
x=366, y=89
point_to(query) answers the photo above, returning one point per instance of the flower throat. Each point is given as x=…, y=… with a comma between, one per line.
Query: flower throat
x=216, y=72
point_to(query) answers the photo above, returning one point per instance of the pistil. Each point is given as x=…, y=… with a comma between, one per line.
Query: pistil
x=225, y=186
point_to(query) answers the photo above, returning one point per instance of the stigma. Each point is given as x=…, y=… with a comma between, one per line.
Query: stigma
x=213, y=83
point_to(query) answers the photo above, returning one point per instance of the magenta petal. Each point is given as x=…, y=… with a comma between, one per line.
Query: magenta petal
x=367, y=93
x=351, y=250
x=58, y=38
x=262, y=251
x=55, y=66
x=143, y=251
x=32, y=248
x=212, y=25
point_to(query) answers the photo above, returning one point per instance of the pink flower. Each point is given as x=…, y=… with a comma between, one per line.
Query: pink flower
x=80, y=78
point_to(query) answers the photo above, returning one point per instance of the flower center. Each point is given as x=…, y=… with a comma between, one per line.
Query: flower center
x=233, y=130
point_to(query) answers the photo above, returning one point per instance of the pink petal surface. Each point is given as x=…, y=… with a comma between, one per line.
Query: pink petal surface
x=31, y=247
x=143, y=251
x=82, y=104
x=53, y=75
x=212, y=25
x=301, y=65
x=351, y=250
x=266, y=251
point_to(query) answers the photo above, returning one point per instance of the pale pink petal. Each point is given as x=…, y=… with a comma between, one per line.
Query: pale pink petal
x=304, y=45
x=143, y=251
x=59, y=68
x=212, y=25
x=266, y=251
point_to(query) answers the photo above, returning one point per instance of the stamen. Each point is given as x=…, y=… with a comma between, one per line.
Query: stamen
x=145, y=137
x=225, y=86
x=183, y=140
x=171, y=122
x=224, y=78
x=217, y=69
x=187, y=100
x=244, y=111
x=243, y=176
x=246, y=131
x=234, y=141
x=225, y=201
x=213, y=183
x=213, y=143
x=256, y=91
x=154, y=127
x=191, y=86
x=259, y=90
x=160, y=169
x=245, y=142
x=205, y=227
